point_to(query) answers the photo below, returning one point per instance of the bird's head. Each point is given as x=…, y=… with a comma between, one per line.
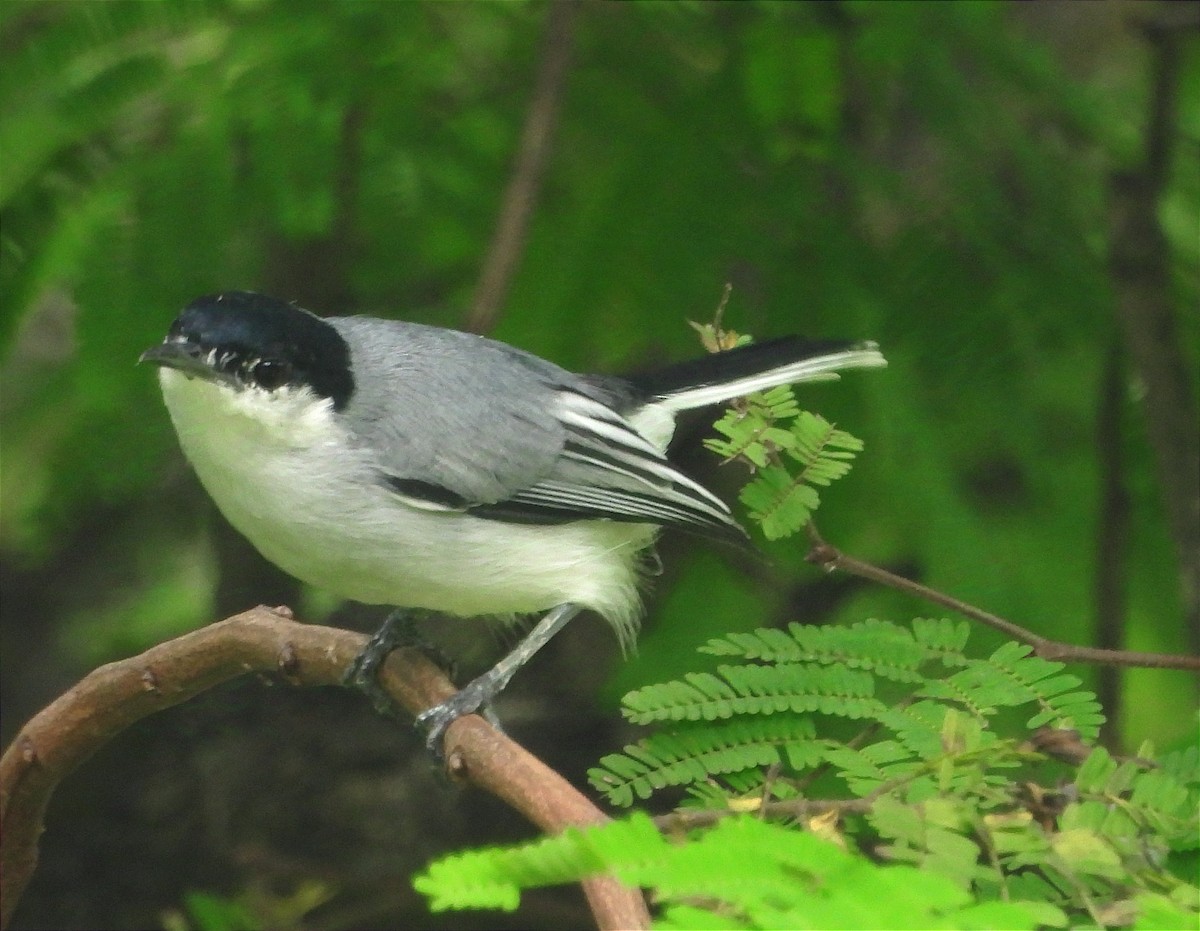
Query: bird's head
x=251, y=342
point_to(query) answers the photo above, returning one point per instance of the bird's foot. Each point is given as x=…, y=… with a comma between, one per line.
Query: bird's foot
x=473, y=698
x=398, y=630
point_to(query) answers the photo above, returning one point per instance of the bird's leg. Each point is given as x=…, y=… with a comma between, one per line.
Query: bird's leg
x=479, y=692
x=399, y=630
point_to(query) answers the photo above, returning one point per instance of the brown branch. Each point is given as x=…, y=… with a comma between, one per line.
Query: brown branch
x=830, y=559
x=113, y=697
x=533, y=152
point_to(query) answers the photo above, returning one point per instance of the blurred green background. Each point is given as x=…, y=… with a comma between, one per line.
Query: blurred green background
x=939, y=177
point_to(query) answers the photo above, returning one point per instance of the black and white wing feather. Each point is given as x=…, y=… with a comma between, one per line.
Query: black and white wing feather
x=607, y=470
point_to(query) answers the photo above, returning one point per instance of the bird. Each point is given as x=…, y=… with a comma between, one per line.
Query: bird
x=402, y=464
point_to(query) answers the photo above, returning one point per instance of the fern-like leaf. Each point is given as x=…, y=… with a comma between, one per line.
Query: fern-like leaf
x=782, y=502
x=1010, y=677
x=886, y=649
x=791, y=451
x=701, y=751
x=943, y=638
x=796, y=687
x=493, y=877
x=750, y=430
x=779, y=503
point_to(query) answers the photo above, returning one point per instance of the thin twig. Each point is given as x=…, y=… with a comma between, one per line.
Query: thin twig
x=521, y=195
x=830, y=558
x=688, y=819
x=804, y=808
x=113, y=697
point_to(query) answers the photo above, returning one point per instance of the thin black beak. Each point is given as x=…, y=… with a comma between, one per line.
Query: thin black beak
x=186, y=358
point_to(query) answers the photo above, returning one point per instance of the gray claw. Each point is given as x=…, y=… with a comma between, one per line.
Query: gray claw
x=435, y=720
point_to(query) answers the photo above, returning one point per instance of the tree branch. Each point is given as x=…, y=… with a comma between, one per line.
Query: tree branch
x=263, y=640
x=830, y=559
x=520, y=197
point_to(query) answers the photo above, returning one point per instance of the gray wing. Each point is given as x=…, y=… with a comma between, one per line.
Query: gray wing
x=459, y=422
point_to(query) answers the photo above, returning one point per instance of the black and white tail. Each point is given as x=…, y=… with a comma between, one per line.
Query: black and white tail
x=721, y=376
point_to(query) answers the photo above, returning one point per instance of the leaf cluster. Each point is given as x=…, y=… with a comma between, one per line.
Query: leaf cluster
x=791, y=452
x=875, y=776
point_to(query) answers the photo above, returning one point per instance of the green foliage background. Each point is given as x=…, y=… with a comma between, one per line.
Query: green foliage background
x=932, y=176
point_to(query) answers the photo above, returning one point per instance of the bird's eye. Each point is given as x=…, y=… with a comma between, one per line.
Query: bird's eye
x=270, y=373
